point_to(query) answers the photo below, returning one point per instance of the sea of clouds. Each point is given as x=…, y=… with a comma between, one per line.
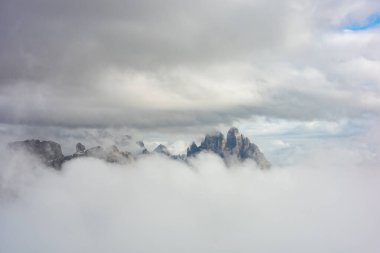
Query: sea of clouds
x=326, y=202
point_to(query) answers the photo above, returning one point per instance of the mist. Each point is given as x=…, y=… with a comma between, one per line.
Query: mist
x=325, y=204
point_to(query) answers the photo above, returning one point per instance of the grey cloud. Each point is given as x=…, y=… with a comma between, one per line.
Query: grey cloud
x=51, y=37
x=179, y=63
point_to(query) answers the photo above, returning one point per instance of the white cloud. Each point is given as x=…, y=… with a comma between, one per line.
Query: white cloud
x=322, y=204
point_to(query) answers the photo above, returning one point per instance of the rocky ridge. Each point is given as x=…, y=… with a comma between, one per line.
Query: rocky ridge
x=232, y=149
x=235, y=148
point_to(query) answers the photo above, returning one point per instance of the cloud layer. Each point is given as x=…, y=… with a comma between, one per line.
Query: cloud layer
x=320, y=205
x=181, y=63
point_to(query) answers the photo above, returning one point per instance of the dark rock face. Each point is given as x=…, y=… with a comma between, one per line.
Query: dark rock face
x=179, y=157
x=193, y=150
x=49, y=152
x=234, y=140
x=235, y=148
x=80, y=151
x=80, y=147
x=142, y=145
x=214, y=143
x=114, y=155
x=162, y=149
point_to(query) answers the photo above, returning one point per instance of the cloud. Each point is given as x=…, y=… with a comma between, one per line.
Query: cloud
x=191, y=63
x=323, y=203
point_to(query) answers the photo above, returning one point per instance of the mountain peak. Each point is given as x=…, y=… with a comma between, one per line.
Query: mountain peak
x=49, y=152
x=234, y=138
x=233, y=130
x=213, y=142
x=162, y=149
x=235, y=147
x=80, y=147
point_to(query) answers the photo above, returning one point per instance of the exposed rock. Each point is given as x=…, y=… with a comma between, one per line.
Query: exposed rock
x=193, y=150
x=97, y=152
x=214, y=143
x=142, y=146
x=113, y=155
x=80, y=151
x=162, y=149
x=235, y=148
x=49, y=152
x=234, y=141
x=178, y=157
x=80, y=147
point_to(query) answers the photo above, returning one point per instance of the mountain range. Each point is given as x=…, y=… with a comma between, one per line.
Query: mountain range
x=234, y=148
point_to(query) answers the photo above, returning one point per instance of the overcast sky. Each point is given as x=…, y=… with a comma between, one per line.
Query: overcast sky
x=300, y=78
x=172, y=65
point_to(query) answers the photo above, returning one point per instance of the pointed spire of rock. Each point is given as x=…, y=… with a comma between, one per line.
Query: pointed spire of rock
x=213, y=143
x=234, y=139
x=235, y=148
x=162, y=149
x=141, y=145
x=193, y=150
x=80, y=147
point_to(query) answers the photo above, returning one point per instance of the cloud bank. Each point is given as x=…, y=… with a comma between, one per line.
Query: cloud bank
x=325, y=204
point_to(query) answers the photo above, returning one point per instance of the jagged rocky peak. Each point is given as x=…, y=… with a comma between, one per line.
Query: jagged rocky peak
x=49, y=152
x=214, y=142
x=162, y=149
x=80, y=147
x=235, y=148
x=141, y=145
x=234, y=138
x=193, y=150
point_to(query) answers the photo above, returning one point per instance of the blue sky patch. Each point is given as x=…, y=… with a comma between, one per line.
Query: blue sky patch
x=371, y=22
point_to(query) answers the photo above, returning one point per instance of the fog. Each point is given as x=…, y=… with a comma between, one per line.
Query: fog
x=326, y=202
